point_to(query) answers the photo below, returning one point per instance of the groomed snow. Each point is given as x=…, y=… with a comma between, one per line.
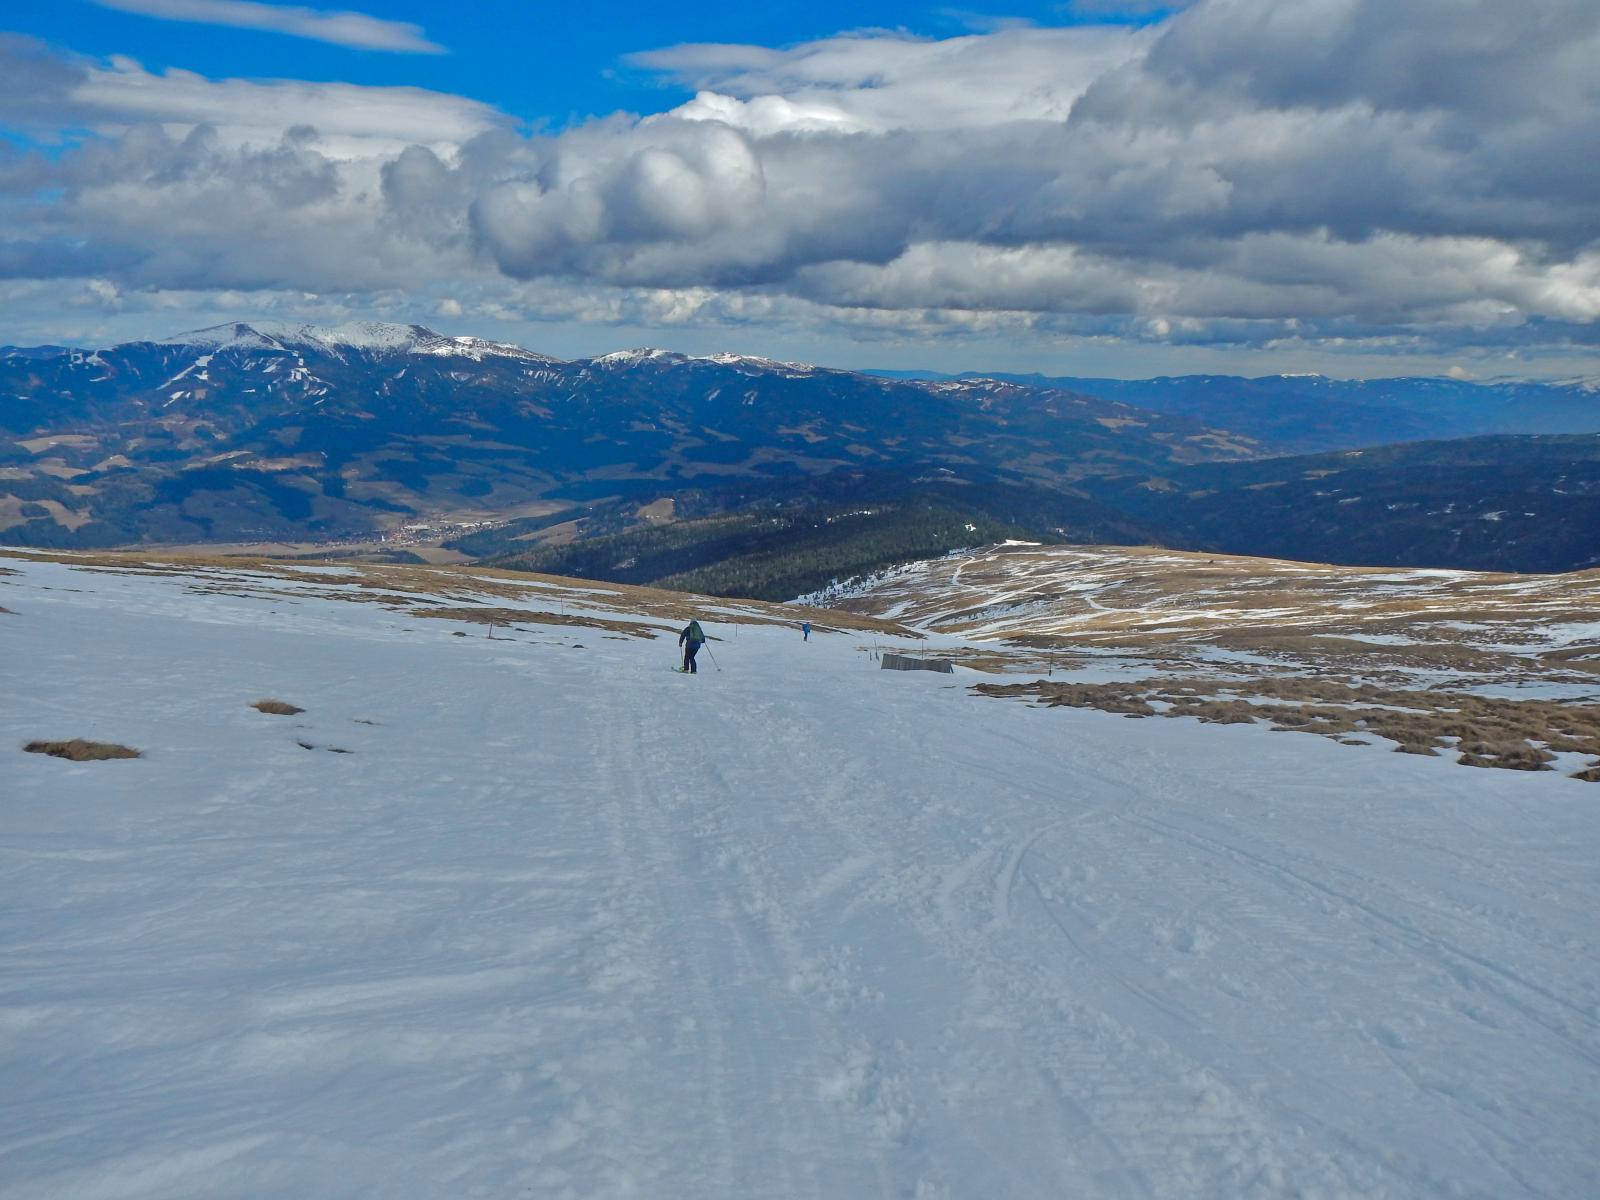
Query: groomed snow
x=563, y=923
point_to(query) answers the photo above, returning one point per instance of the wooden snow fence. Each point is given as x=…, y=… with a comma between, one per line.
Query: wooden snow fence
x=904, y=662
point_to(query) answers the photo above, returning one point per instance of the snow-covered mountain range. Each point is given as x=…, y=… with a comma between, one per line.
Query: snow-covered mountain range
x=264, y=431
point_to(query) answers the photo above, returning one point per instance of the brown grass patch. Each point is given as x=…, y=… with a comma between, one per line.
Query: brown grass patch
x=78, y=750
x=277, y=708
x=1513, y=756
x=1515, y=735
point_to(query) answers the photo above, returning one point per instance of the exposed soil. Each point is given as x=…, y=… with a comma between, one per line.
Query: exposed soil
x=277, y=708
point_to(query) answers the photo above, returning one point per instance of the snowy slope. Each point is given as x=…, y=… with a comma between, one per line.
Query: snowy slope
x=374, y=337
x=564, y=923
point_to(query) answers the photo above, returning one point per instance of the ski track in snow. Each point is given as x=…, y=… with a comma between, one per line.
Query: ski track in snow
x=566, y=924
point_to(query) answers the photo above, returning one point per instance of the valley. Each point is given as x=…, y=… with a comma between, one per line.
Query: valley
x=747, y=476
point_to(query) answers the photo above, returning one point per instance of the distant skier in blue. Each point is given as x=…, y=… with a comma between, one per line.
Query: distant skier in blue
x=691, y=639
x=805, y=631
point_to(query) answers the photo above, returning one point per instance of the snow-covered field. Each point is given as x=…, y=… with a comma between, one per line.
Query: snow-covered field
x=564, y=923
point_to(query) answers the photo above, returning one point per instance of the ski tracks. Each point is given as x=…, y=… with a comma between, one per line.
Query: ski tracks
x=735, y=1051
x=1028, y=1041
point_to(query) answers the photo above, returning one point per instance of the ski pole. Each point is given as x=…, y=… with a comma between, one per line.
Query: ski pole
x=714, y=661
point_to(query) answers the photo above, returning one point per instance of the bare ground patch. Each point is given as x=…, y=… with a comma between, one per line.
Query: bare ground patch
x=277, y=708
x=79, y=750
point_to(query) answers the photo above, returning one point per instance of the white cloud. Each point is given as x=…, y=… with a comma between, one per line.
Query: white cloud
x=384, y=119
x=320, y=25
x=885, y=82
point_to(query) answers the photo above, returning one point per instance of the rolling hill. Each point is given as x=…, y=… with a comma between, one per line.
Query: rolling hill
x=1312, y=414
x=1495, y=504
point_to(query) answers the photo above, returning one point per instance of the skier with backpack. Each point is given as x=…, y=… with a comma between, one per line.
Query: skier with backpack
x=691, y=639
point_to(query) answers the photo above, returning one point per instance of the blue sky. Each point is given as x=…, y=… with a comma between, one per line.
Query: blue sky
x=541, y=62
x=1357, y=187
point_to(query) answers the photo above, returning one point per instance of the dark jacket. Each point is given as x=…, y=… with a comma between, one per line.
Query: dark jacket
x=691, y=634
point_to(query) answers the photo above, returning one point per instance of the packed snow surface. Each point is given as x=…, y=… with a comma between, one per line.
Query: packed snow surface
x=563, y=923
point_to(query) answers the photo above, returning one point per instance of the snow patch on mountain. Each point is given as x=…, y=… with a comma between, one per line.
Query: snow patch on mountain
x=372, y=337
x=632, y=358
x=476, y=349
x=651, y=354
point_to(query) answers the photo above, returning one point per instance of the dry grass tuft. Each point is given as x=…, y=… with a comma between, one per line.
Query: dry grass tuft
x=1514, y=756
x=1513, y=735
x=1590, y=774
x=78, y=750
x=277, y=708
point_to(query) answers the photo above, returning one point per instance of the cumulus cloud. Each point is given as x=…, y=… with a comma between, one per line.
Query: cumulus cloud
x=196, y=183
x=125, y=95
x=1404, y=172
x=1342, y=164
x=880, y=83
x=340, y=28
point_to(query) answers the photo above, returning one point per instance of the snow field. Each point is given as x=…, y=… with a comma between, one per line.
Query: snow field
x=565, y=924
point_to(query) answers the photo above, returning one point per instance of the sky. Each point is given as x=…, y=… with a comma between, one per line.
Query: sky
x=1093, y=187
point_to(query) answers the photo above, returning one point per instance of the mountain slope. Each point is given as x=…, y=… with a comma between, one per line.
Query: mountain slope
x=247, y=431
x=1500, y=504
x=560, y=921
x=778, y=541
x=1310, y=414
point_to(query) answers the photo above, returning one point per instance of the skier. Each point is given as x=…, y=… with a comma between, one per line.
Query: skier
x=691, y=639
x=805, y=631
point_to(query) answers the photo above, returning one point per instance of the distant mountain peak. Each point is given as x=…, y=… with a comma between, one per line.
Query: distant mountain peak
x=621, y=359
x=726, y=359
x=642, y=354
x=216, y=337
x=365, y=336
